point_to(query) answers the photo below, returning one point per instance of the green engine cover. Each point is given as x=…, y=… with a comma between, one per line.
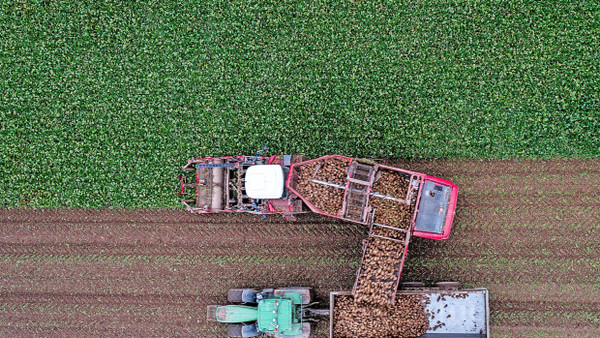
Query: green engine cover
x=236, y=314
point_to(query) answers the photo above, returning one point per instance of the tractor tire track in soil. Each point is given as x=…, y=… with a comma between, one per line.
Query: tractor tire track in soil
x=527, y=230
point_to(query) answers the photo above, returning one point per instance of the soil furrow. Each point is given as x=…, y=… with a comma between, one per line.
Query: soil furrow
x=240, y=247
x=527, y=230
x=104, y=299
x=526, y=330
x=581, y=293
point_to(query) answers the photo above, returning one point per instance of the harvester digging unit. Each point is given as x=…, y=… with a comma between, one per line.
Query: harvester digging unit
x=254, y=184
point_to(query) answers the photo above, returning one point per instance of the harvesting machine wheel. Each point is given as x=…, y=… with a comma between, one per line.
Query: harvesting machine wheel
x=241, y=295
x=448, y=285
x=307, y=328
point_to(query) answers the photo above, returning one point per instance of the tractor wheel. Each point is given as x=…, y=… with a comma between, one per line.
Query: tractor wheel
x=235, y=295
x=242, y=330
x=406, y=285
x=448, y=285
x=305, y=291
x=307, y=328
x=234, y=330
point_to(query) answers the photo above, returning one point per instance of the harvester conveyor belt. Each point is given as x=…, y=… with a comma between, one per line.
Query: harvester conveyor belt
x=389, y=227
x=386, y=197
x=388, y=238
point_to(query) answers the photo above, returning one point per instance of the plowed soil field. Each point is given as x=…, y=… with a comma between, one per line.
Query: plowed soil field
x=527, y=230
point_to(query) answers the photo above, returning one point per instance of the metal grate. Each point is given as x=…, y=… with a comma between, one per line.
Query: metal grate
x=361, y=173
x=356, y=202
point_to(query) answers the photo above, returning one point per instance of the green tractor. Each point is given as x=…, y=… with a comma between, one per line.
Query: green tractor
x=282, y=312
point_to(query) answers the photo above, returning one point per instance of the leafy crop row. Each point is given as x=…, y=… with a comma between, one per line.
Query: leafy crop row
x=102, y=101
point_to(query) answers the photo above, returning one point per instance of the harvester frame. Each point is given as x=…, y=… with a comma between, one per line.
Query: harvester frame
x=220, y=185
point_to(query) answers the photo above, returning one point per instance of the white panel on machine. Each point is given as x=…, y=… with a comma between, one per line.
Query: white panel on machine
x=264, y=181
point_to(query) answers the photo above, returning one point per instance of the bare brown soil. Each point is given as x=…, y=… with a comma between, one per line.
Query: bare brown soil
x=526, y=230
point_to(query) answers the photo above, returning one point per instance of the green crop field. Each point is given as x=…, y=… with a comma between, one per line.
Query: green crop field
x=101, y=102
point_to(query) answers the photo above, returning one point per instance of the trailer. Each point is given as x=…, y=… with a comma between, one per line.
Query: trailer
x=451, y=311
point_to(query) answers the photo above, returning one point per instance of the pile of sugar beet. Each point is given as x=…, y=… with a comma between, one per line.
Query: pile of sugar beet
x=406, y=318
x=380, y=266
x=379, y=270
x=326, y=198
x=329, y=199
x=369, y=313
x=389, y=211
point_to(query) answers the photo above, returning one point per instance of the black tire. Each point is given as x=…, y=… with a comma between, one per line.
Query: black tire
x=412, y=285
x=304, y=290
x=307, y=328
x=234, y=330
x=235, y=295
x=448, y=285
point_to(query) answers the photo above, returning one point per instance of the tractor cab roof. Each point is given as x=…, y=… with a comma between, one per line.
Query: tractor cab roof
x=235, y=314
x=275, y=315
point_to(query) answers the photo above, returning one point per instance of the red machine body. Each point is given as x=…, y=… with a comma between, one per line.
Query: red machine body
x=219, y=186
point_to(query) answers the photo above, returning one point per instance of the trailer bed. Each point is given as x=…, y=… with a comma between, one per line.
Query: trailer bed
x=452, y=313
x=462, y=312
